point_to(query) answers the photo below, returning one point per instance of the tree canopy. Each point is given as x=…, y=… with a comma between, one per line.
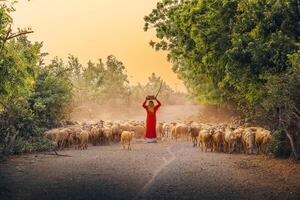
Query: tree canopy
x=234, y=52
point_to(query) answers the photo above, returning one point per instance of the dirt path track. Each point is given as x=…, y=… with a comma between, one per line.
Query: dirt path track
x=165, y=170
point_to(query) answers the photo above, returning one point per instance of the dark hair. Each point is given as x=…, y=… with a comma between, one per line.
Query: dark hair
x=151, y=101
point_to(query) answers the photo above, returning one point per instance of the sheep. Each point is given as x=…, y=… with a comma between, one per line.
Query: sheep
x=159, y=130
x=249, y=140
x=194, y=132
x=73, y=131
x=218, y=139
x=62, y=138
x=166, y=130
x=204, y=139
x=230, y=139
x=173, y=131
x=51, y=134
x=239, y=132
x=125, y=127
x=182, y=130
x=139, y=131
x=126, y=137
x=96, y=135
x=84, y=137
x=116, y=132
x=262, y=137
x=107, y=134
x=108, y=124
x=75, y=136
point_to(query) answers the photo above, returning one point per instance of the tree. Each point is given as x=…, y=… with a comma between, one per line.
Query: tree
x=52, y=94
x=153, y=85
x=283, y=102
x=75, y=67
x=226, y=45
x=226, y=51
x=32, y=96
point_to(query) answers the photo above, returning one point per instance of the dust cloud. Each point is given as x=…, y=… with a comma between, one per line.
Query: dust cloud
x=188, y=111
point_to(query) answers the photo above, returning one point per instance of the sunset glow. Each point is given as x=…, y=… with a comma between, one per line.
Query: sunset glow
x=93, y=29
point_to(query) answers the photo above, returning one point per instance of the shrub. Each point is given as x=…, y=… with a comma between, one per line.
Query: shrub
x=279, y=144
x=35, y=144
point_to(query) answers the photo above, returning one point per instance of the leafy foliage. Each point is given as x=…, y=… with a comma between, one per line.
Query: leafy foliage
x=279, y=145
x=241, y=53
x=52, y=93
x=106, y=83
x=33, y=97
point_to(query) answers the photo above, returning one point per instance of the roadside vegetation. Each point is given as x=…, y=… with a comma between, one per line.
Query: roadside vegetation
x=239, y=54
x=36, y=96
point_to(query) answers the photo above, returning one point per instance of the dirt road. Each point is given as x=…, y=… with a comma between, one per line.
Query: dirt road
x=166, y=170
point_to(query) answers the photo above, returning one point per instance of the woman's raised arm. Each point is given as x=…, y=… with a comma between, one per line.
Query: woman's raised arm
x=144, y=104
x=158, y=104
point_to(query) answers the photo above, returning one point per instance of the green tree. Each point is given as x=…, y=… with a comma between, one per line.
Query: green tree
x=52, y=94
x=226, y=51
x=283, y=102
x=32, y=96
x=153, y=85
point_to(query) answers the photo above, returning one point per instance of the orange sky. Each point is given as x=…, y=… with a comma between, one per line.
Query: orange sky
x=92, y=29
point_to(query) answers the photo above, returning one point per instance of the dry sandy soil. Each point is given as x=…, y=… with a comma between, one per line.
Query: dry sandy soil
x=166, y=170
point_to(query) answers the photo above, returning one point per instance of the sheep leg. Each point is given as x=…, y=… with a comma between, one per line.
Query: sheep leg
x=258, y=149
x=123, y=144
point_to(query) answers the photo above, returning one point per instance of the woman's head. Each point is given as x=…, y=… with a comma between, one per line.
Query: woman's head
x=151, y=104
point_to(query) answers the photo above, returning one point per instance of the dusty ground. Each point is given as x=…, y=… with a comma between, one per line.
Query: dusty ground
x=166, y=170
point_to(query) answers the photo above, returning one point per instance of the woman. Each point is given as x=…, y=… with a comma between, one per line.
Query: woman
x=151, y=119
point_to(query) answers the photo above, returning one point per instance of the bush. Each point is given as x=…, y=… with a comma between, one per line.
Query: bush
x=279, y=144
x=35, y=144
x=52, y=93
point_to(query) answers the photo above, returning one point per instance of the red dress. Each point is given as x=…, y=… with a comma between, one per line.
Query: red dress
x=151, y=120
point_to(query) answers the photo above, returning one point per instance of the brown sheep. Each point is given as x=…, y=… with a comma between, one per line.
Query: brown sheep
x=166, y=130
x=126, y=137
x=73, y=131
x=173, y=132
x=96, y=135
x=218, y=139
x=139, y=131
x=182, y=130
x=107, y=134
x=239, y=132
x=125, y=127
x=84, y=137
x=262, y=138
x=159, y=130
x=249, y=140
x=194, y=132
x=62, y=138
x=51, y=134
x=230, y=140
x=116, y=132
x=204, y=139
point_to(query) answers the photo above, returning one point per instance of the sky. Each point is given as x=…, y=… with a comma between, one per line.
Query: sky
x=93, y=29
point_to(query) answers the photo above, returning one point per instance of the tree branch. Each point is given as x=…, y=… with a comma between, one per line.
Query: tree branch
x=13, y=35
x=296, y=155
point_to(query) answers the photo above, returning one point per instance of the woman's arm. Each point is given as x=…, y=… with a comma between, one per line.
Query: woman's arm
x=144, y=104
x=158, y=104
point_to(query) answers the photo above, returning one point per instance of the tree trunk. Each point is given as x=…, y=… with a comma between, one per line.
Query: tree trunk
x=9, y=143
x=295, y=154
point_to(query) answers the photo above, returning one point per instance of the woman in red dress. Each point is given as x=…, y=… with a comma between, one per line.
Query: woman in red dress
x=151, y=119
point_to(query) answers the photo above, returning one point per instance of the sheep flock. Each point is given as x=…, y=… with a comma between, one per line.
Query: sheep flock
x=228, y=138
